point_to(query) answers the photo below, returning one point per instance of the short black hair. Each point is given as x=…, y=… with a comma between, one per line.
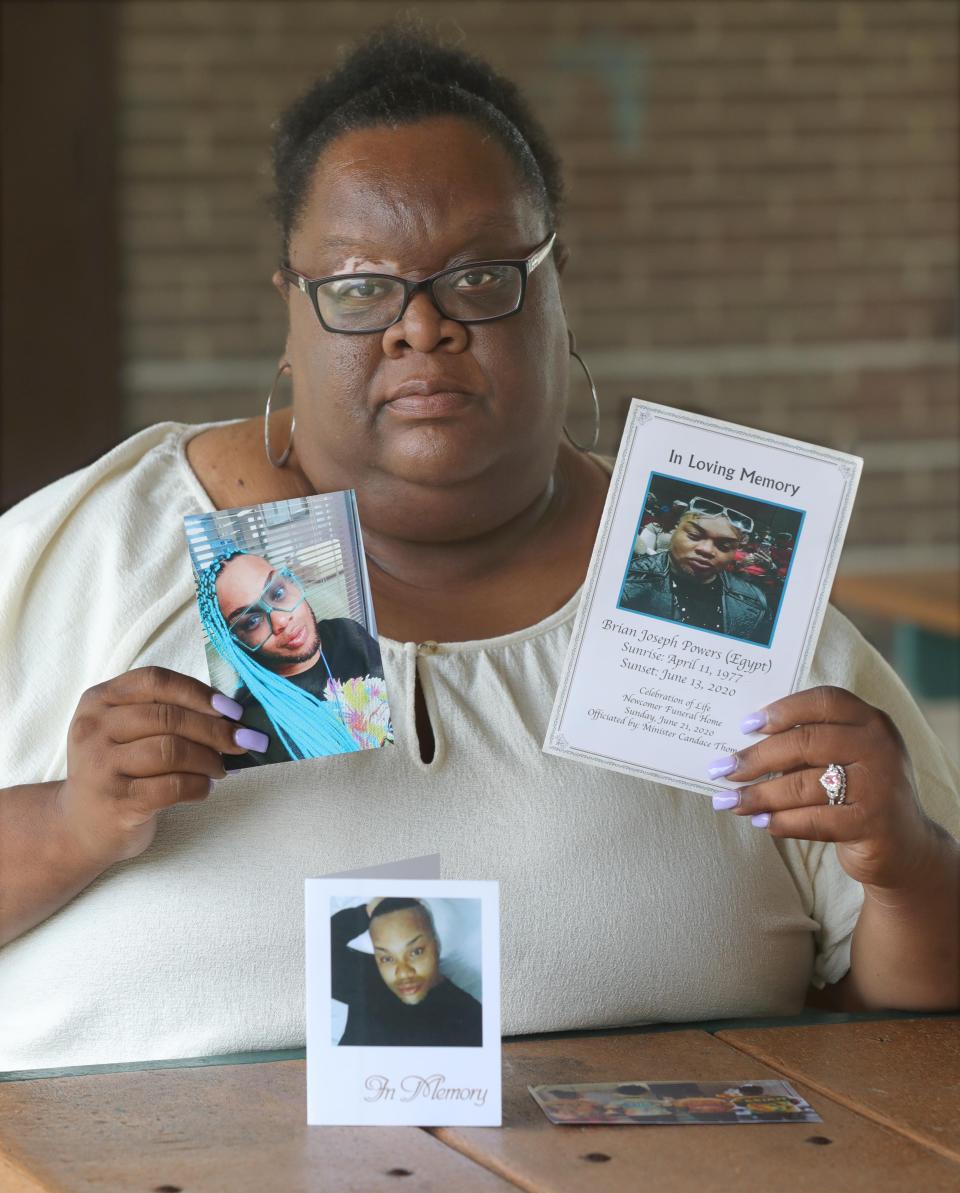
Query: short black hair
x=400, y=74
x=386, y=906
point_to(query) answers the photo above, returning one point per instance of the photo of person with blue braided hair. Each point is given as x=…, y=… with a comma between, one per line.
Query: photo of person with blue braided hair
x=280, y=634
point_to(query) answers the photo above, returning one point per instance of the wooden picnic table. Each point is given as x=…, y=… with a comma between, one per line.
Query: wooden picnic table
x=888, y=1092
x=927, y=599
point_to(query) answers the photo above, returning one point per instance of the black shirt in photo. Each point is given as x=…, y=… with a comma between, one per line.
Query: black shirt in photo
x=351, y=653
x=699, y=604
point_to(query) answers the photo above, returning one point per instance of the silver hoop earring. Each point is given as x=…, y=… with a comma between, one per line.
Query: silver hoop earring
x=279, y=463
x=594, y=439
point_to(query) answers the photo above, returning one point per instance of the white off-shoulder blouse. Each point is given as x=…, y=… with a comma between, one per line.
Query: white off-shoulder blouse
x=622, y=901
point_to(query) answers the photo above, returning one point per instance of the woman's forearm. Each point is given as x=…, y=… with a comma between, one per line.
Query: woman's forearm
x=41, y=866
x=906, y=946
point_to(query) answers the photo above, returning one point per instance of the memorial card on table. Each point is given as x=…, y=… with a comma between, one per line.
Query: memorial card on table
x=403, y=1001
x=705, y=593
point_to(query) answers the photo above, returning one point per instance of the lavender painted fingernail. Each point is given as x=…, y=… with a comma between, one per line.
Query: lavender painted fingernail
x=761, y=820
x=755, y=721
x=721, y=767
x=251, y=739
x=725, y=801
x=227, y=707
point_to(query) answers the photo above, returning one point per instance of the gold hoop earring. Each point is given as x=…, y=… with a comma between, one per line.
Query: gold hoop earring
x=279, y=463
x=594, y=439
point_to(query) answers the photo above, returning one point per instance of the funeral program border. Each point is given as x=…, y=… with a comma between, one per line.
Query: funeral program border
x=641, y=413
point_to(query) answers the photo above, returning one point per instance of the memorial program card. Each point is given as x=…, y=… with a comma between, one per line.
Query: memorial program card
x=403, y=1002
x=705, y=594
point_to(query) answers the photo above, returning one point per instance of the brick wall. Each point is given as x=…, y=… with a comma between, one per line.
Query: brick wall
x=762, y=214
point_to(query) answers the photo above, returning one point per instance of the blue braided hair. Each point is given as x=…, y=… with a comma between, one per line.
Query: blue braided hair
x=307, y=726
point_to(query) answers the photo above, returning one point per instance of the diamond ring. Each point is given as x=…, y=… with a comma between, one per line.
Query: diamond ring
x=834, y=782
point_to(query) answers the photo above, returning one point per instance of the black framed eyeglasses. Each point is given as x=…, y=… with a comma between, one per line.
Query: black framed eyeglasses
x=478, y=292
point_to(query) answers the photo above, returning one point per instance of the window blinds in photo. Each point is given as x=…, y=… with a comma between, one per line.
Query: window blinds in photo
x=317, y=537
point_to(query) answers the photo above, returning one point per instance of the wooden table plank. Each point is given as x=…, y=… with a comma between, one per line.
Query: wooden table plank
x=928, y=599
x=902, y=1073
x=236, y=1129
x=845, y=1151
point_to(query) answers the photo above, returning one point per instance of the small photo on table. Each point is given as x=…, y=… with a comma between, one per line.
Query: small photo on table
x=710, y=558
x=288, y=626
x=675, y=1103
x=601, y=1103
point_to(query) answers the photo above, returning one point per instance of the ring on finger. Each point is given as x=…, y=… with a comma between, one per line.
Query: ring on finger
x=834, y=782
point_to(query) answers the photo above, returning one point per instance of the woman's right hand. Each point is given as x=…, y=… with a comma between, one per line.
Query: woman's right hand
x=139, y=743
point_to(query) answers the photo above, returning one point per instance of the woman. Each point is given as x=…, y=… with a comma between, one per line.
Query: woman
x=143, y=929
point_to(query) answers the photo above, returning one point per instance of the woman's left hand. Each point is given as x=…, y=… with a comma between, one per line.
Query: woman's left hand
x=882, y=834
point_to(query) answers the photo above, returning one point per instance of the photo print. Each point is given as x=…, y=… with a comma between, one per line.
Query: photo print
x=403, y=1001
x=711, y=559
x=406, y=972
x=288, y=625
x=663, y=1103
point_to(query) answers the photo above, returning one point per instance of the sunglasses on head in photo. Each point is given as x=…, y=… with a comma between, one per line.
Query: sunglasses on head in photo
x=701, y=505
